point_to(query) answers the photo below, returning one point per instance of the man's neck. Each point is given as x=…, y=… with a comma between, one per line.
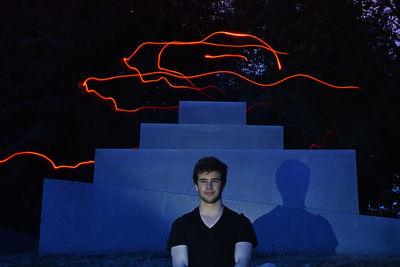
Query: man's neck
x=211, y=209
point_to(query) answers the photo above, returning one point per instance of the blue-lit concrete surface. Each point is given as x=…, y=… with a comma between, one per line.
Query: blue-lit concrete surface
x=286, y=230
x=360, y=234
x=251, y=174
x=204, y=112
x=209, y=136
x=82, y=218
x=300, y=201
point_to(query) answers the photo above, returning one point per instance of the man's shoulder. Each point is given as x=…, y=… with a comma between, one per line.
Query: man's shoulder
x=235, y=215
x=188, y=216
x=236, y=218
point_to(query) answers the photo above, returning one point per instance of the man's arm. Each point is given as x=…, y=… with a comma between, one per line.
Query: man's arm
x=180, y=256
x=243, y=254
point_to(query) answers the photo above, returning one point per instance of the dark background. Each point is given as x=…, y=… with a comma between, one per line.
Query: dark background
x=48, y=47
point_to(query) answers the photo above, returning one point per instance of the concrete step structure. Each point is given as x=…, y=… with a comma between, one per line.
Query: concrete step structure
x=82, y=218
x=207, y=112
x=210, y=136
x=300, y=201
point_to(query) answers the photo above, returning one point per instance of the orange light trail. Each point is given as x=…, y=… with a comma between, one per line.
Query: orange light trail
x=116, y=108
x=164, y=74
x=225, y=56
x=325, y=140
x=48, y=159
x=259, y=104
x=267, y=46
x=277, y=82
x=250, y=36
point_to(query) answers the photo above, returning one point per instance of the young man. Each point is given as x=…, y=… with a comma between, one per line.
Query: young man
x=211, y=235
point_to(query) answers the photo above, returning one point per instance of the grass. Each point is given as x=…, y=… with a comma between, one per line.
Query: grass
x=164, y=260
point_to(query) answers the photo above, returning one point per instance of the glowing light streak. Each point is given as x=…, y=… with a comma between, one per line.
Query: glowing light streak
x=180, y=43
x=164, y=74
x=274, y=83
x=325, y=140
x=200, y=42
x=48, y=159
x=258, y=105
x=225, y=56
x=116, y=108
x=188, y=78
x=180, y=75
x=250, y=36
x=140, y=75
x=264, y=46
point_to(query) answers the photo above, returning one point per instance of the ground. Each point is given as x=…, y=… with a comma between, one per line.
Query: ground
x=163, y=259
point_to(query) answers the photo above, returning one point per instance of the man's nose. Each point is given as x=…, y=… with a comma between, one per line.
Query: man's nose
x=209, y=185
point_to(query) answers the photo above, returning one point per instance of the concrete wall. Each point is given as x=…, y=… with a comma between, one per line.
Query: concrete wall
x=210, y=136
x=251, y=174
x=82, y=218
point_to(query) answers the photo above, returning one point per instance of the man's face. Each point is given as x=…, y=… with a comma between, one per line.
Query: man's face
x=209, y=186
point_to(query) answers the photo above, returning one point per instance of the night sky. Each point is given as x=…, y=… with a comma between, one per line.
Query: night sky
x=50, y=47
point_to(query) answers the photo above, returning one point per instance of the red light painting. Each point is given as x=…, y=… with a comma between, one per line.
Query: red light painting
x=48, y=159
x=170, y=75
x=226, y=56
x=325, y=140
x=258, y=105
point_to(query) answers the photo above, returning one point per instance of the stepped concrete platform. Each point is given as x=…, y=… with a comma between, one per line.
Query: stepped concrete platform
x=300, y=201
x=206, y=112
x=209, y=136
x=82, y=218
x=251, y=175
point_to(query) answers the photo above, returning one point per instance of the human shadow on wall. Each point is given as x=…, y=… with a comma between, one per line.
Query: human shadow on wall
x=290, y=228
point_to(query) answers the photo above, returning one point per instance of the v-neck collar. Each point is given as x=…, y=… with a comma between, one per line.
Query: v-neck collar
x=205, y=225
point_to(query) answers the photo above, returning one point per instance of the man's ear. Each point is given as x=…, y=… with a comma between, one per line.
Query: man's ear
x=197, y=187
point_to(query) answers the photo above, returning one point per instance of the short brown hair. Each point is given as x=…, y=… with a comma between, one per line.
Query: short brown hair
x=210, y=164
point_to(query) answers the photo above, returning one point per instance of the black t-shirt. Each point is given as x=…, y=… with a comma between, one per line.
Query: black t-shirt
x=215, y=246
